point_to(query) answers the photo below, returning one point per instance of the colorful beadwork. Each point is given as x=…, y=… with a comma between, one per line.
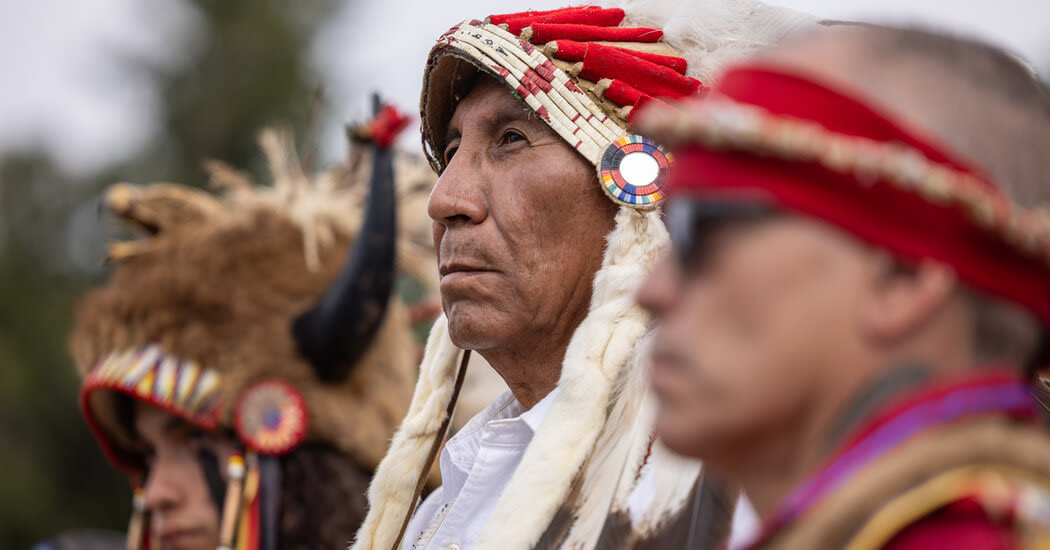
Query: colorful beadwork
x=271, y=417
x=633, y=189
x=183, y=387
x=546, y=89
x=614, y=79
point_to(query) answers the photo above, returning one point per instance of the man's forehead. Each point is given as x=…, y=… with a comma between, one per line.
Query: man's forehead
x=487, y=104
x=822, y=52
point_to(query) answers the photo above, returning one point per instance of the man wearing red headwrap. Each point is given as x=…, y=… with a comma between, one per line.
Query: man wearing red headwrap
x=858, y=300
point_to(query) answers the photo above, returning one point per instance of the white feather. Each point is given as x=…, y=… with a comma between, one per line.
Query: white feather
x=711, y=33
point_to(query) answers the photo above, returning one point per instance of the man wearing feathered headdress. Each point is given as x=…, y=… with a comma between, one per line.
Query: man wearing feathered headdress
x=546, y=218
x=240, y=365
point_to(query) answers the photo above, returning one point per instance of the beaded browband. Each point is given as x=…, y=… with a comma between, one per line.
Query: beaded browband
x=270, y=416
x=584, y=81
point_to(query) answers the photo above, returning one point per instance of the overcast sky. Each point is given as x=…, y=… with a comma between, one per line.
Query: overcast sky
x=64, y=89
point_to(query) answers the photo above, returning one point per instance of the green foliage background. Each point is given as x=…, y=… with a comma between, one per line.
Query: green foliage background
x=248, y=71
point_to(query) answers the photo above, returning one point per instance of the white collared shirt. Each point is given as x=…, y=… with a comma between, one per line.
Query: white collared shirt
x=476, y=464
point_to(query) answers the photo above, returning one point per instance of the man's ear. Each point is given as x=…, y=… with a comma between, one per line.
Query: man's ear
x=903, y=297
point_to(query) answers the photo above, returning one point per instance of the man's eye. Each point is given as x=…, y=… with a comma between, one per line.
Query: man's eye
x=511, y=137
x=449, y=153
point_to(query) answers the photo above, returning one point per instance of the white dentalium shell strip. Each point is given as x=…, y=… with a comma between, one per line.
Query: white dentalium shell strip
x=573, y=115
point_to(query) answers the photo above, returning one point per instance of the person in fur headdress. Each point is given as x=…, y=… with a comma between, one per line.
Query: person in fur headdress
x=241, y=365
x=546, y=218
x=860, y=291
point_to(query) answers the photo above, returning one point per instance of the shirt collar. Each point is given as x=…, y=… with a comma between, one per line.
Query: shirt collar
x=534, y=416
x=457, y=458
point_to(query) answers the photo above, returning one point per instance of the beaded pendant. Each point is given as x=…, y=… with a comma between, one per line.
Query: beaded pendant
x=271, y=417
x=634, y=170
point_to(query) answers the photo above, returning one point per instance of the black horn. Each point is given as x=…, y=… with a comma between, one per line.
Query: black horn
x=335, y=333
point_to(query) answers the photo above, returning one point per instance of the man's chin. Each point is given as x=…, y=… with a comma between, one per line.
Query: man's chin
x=467, y=333
x=679, y=436
x=678, y=445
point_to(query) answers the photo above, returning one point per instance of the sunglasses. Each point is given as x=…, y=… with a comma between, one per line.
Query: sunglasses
x=695, y=226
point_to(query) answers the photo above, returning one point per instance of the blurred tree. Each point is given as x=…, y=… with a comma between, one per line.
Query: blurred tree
x=249, y=70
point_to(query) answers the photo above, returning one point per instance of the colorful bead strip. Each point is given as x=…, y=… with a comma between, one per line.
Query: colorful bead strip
x=147, y=373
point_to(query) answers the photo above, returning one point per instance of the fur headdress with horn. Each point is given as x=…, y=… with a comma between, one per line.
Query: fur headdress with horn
x=583, y=70
x=246, y=311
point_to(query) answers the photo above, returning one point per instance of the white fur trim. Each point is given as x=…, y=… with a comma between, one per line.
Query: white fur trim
x=594, y=366
x=390, y=494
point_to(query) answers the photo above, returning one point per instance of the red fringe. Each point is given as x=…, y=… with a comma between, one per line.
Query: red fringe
x=643, y=102
x=505, y=17
x=548, y=32
x=646, y=77
x=384, y=128
x=570, y=50
x=676, y=64
x=253, y=523
x=589, y=17
x=624, y=94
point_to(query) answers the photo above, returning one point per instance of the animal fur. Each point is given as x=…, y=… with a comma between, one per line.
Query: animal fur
x=219, y=279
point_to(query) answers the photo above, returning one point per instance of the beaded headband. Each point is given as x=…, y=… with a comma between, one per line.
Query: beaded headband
x=584, y=82
x=270, y=417
x=185, y=388
x=818, y=150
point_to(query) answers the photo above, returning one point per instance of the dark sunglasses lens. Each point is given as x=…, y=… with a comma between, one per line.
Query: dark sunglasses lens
x=680, y=224
x=693, y=224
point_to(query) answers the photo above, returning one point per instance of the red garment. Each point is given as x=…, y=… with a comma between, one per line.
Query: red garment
x=975, y=515
x=962, y=525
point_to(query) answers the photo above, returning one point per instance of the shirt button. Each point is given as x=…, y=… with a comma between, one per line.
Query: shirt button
x=454, y=547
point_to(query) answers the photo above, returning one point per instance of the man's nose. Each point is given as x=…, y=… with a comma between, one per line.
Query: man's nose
x=658, y=290
x=459, y=194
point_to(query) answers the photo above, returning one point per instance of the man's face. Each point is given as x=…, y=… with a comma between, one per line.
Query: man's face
x=748, y=330
x=182, y=513
x=519, y=225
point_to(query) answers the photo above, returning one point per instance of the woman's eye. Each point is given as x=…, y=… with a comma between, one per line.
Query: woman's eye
x=198, y=439
x=449, y=153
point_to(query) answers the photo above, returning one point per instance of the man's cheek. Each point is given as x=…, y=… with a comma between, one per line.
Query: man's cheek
x=437, y=232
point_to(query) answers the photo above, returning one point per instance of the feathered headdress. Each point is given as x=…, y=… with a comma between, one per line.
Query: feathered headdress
x=583, y=70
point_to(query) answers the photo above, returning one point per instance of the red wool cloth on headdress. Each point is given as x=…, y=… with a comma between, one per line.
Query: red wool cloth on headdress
x=899, y=220
x=581, y=16
x=637, y=77
x=547, y=32
x=646, y=77
x=624, y=94
x=570, y=50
